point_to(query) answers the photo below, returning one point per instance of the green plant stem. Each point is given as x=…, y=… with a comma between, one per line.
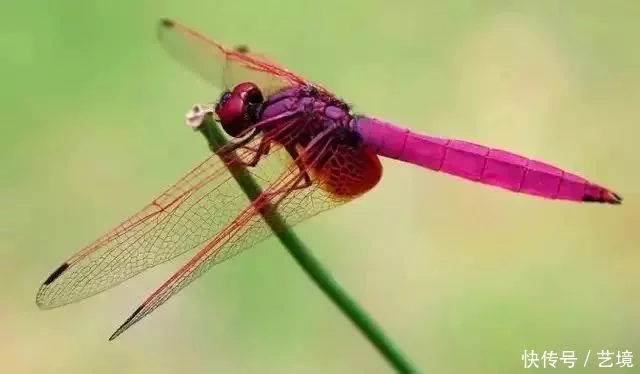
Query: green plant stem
x=305, y=258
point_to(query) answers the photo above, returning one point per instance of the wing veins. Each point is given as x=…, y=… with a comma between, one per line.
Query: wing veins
x=209, y=253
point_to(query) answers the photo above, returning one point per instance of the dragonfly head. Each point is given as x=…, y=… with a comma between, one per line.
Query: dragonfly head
x=238, y=109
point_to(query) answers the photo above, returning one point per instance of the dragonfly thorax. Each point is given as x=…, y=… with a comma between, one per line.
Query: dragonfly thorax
x=238, y=109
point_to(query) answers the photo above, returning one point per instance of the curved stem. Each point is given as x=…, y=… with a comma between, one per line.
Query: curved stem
x=305, y=258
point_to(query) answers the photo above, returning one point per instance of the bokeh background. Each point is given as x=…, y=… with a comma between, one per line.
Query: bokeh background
x=463, y=277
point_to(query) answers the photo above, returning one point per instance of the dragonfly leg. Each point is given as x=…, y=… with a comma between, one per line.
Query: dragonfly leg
x=230, y=147
x=304, y=176
x=277, y=196
x=303, y=179
x=265, y=146
x=265, y=143
x=306, y=179
x=262, y=150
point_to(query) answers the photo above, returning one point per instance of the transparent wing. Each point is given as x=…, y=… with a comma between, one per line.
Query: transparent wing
x=182, y=218
x=219, y=65
x=345, y=173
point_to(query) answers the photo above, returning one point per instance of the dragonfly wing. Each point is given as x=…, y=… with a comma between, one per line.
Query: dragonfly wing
x=184, y=217
x=294, y=205
x=219, y=65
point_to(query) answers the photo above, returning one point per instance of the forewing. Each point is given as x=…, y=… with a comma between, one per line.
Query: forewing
x=184, y=217
x=219, y=65
x=294, y=205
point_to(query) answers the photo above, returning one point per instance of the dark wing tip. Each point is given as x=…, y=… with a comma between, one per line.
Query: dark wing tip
x=166, y=22
x=242, y=48
x=56, y=273
x=125, y=325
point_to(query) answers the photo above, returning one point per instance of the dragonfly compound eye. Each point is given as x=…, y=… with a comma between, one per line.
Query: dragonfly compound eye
x=239, y=109
x=250, y=92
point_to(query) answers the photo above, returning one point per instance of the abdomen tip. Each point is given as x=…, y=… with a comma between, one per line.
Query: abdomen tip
x=607, y=197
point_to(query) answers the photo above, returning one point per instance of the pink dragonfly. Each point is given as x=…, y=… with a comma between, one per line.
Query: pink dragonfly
x=309, y=153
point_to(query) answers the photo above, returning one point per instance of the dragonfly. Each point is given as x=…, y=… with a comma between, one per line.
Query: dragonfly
x=309, y=153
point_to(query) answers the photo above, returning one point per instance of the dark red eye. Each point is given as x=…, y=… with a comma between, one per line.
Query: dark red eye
x=239, y=109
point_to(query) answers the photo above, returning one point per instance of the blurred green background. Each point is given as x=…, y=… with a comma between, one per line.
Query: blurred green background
x=462, y=276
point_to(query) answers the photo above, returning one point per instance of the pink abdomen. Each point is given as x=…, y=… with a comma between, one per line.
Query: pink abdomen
x=479, y=163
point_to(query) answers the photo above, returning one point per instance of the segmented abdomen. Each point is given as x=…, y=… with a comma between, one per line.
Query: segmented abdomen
x=480, y=164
